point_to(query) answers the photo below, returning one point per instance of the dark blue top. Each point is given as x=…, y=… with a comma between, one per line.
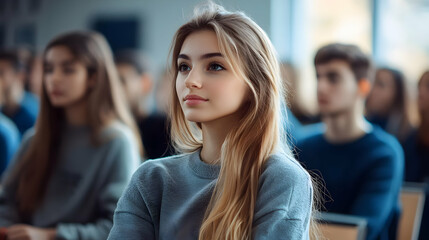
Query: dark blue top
x=155, y=135
x=363, y=177
x=9, y=141
x=416, y=159
x=25, y=117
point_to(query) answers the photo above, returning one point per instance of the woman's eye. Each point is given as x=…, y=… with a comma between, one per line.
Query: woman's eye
x=47, y=70
x=184, y=68
x=333, y=79
x=68, y=70
x=215, y=67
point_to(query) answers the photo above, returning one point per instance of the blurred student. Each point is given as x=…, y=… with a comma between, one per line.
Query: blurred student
x=387, y=103
x=71, y=170
x=137, y=81
x=235, y=181
x=417, y=146
x=163, y=92
x=19, y=105
x=360, y=164
x=34, y=78
x=9, y=138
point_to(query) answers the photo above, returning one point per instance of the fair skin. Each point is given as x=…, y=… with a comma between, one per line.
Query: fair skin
x=340, y=102
x=13, y=87
x=27, y=232
x=66, y=82
x=136, y=86
x=208, y=90
x=381, y=98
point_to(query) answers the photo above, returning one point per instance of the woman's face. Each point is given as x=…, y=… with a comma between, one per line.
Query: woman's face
x=423, y=99
x=206, y=86
x=65, y=78
x=382, y=95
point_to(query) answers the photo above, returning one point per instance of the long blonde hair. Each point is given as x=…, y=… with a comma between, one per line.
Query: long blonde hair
x=106, y=102
x=246, y=148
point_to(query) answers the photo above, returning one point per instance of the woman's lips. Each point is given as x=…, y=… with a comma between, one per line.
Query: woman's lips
x=192, y=100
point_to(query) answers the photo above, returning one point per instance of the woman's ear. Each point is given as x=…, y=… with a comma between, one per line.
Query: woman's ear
x=91, y=81
x=364, y=87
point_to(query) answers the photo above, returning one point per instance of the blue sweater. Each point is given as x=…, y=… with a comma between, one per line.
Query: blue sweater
x=416, y=159
x=362, y=177
x=9, y=141
x=26, y=115
x=167, y=199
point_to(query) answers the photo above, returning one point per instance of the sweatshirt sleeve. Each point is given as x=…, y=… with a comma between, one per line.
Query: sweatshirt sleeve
x=283, y=208
x=121, y=161
x=132, y=219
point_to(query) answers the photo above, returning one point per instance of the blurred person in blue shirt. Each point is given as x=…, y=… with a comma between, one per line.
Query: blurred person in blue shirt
x=19, y=105
x=361, y=165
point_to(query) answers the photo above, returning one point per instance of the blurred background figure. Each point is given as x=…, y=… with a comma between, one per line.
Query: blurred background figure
x=9, y=137
x=19, y=105
x=295, y=97
x=72, y=167
x=387, y=105
x=301, y=122
x=417, y=145
x=360, y=164
x=34, y=78
x=135, y=76
x=163, y=92
x=416, y=149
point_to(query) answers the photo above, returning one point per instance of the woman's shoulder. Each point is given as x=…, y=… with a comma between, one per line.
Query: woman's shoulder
x=284, y=185
x=162, y=168
x=116, y=129
x=282, y=167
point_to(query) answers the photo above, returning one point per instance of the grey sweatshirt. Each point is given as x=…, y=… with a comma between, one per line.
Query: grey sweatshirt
x=167, y=199
x=87, y=182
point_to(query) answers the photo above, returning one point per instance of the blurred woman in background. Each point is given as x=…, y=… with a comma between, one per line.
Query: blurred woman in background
x=71, y=170
x=387, y=103
x=416, y=148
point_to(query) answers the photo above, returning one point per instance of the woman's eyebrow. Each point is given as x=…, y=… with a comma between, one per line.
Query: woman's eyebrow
x=205, y=56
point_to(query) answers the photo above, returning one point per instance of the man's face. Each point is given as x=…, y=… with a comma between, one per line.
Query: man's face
x=132, y=82
x=337, y=88
x=8, y=76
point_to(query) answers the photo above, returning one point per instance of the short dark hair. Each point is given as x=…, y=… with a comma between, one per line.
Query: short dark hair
x=358, y=61
x=133, y=58
x=12, y=57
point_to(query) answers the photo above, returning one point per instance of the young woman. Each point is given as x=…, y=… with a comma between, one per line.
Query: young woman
x=235, y=180
x=71, y=170
x=387, y=103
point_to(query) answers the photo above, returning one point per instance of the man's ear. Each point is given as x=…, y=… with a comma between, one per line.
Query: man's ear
x=364, y=87
x=147, y=83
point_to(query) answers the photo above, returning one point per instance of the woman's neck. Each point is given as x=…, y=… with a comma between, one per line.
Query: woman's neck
x=214, y=135
x=77, y=114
